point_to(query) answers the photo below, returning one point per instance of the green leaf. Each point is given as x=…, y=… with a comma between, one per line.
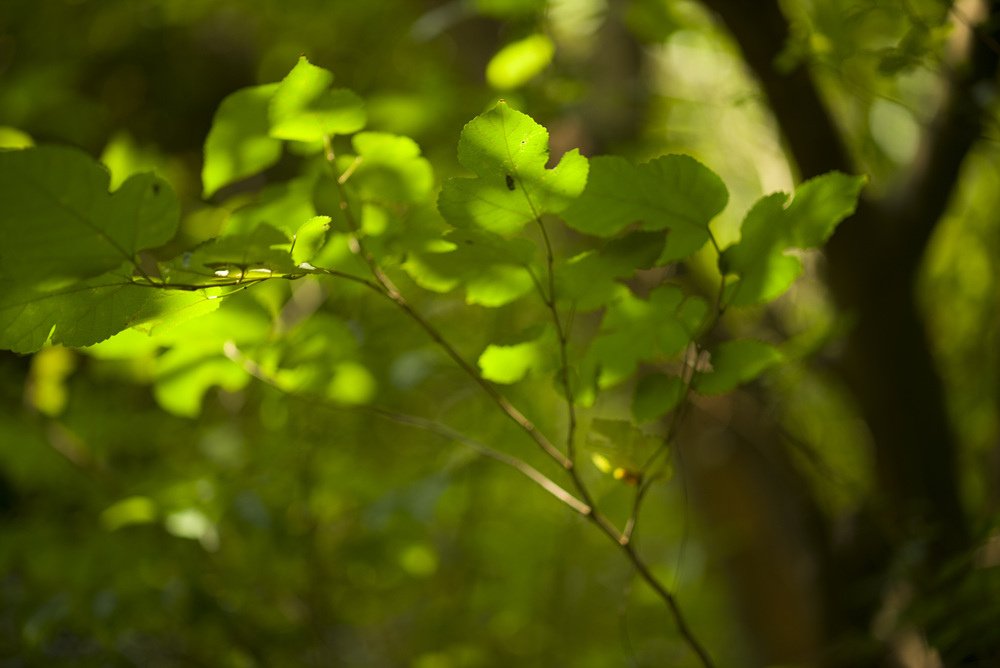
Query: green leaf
x=309, y=238
x=262, y=253
x=239, y=143
x=493, y=270
x=519, y=62
x=84, y=313
x=508, y=364
x=184, y=374
x=735, y=363
x=759, y=257
x=58, y=221
x=123, y=158
x=770, y=229
x=304, y=108
x=590, y=279
x=285, y=206
x=820, y=204
x=390, y=169
x=508, y=151
x=351, y=384
x=635, y=330
x=656, y=395
x=12, y=138
x=197, y=358
x=673, y=192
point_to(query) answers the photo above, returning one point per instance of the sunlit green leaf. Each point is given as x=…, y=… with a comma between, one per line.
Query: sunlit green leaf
x=239, y=143
x=185, y=374
x=310, y=238
x=304, y=108
x=507, y=364
x=519, y=62
x=508, y=151
x=11, y=138
x=46, y=390
x=351, y=384
x=132, y=510
x=390, y=169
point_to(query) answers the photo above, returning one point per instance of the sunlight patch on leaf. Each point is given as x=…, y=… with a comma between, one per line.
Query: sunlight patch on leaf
x=128, y=511
x=508, y=364
x=184, y=375
x=352, y=384
x=519, y=62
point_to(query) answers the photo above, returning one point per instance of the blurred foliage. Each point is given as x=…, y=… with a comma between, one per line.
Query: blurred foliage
x=152, y=515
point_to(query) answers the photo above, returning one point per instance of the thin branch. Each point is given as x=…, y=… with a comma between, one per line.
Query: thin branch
x=389, y=290
x=587, y=507
x=563, y=336
x=250, y=366
x=522, y=466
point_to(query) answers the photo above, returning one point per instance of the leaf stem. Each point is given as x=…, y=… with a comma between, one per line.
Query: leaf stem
x=562, y=334
x=587, y=507
x=389, y=290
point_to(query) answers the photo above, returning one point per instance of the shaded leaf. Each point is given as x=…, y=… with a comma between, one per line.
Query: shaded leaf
x=590, y=279
x=770, y=228
x=84, y=313
x=673, y=192
x=635, y=330
x=59, y=221
x=656, y=395
x=735, y=363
